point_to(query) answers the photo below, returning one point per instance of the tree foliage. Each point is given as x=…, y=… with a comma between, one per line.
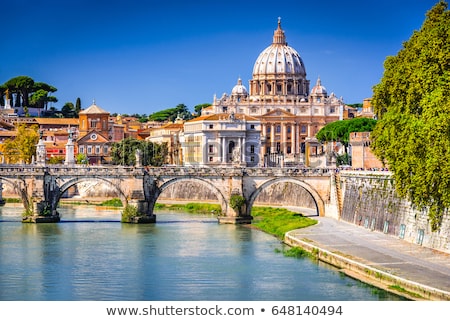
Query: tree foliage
x=340, y=130
x=171, y=114
x=412, y=102
x=198, y=108
x=22, y=148
x=29, y=93
x=124, y=152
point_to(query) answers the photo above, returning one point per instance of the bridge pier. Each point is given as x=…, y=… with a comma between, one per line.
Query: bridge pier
x=144, y=211
x=42, y=212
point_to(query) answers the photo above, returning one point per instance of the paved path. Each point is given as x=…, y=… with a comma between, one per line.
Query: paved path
x=383, y=252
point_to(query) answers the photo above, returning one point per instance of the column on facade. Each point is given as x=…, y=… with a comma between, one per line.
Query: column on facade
x=205, y=149
x=284, y=139
x=243, y=149
x=224, y=151
x=272, y=137
x=264, y=135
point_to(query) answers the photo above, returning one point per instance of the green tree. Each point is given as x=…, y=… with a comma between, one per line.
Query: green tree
x=22, y=148
x=81, y=159
x=124, y=152
x=77, y=107
x=171, y=114
x=340, y=130
x=412, y=102
x=68, y=110
x=22, y=86
x=43, y=87
x=198, y=108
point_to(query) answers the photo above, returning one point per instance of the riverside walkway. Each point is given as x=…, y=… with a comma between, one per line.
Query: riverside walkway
x=377, y=258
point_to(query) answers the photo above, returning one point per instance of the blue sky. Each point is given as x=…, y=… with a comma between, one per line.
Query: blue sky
x=144, y=56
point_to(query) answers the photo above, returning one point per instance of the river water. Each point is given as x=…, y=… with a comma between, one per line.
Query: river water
x=90, y=255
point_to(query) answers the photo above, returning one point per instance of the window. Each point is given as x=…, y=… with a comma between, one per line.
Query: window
x=211, y=158
x=420, y=235
x=289, y=129
x=303, y=129
x=231, y=147
x=105, y=149
x=252, y=126
x=402, y=231
x=332, y=110
x=278, y=129
x=97, y=149
x=81, y=149
x=211, y=126
x=211, y=149
x=268, y=129
x=252, y=159
x=252, y=149
x=89, y=150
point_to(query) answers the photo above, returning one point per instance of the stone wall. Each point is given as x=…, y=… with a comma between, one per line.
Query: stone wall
x=369, y=200
x=279, y=194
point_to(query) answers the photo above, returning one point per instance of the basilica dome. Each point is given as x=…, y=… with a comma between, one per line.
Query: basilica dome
x=318, y=89
x=279, y=58
x=239, y=89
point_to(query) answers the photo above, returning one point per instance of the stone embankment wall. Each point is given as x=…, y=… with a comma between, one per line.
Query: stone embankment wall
x=279, y=194
x=369, y=200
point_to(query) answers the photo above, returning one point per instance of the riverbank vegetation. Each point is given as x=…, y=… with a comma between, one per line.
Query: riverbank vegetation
x=278, y=221
x=195, y=208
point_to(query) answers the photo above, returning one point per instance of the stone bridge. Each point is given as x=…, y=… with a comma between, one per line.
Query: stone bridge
x=41, y=187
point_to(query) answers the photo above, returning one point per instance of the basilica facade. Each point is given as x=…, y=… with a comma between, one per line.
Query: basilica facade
x=280, y=97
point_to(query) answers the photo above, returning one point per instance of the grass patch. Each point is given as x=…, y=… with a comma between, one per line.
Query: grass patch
x=12, y=200
x=193, y=208
x=115, y=202
x=278, y=221
x=404, y=291
x=297, y=252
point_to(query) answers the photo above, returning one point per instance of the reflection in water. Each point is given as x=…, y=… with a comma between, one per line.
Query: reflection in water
x=90, y=255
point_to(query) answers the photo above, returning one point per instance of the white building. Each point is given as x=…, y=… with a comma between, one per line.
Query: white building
x=222, y=139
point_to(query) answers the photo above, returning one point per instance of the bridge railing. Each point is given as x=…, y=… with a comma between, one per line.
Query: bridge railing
x=83, y=170
x=73, y=170
x=237, y=171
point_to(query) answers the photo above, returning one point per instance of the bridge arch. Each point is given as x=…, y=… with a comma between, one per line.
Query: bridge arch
x=207, y=184
x=74, y=181
x=19, y=187
x=320, y=204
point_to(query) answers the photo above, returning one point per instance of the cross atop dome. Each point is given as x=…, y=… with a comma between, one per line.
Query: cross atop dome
x=278, y=35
